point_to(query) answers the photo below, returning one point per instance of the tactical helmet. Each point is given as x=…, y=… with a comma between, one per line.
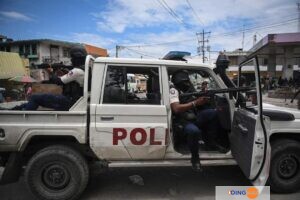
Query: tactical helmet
x=78, y=55
x=222, y=61
x=78, y=52
x=180, y=76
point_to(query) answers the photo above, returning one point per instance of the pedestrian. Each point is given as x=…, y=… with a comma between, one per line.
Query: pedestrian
x=295, y=95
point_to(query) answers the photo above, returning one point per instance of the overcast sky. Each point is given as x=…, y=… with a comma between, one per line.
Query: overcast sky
x=148, y=28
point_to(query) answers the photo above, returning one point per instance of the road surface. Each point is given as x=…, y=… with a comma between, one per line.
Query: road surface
x=159, y=184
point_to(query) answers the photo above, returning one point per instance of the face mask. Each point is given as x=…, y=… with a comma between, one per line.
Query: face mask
x=76, y=62
x=184, y=86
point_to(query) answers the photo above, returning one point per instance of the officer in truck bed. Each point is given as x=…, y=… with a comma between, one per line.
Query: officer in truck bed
x=72, y=83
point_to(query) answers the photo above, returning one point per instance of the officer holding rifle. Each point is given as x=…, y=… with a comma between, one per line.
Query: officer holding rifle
x=193, y=115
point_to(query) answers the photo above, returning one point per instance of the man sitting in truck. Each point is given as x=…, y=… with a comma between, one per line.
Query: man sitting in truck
x=72, y=83
x=192, y=114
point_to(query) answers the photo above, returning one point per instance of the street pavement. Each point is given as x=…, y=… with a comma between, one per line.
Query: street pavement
x=157, y=184
x=280, y=102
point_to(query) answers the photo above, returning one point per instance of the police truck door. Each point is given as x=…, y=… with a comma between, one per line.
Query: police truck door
x=249, y=135
x=130, y=123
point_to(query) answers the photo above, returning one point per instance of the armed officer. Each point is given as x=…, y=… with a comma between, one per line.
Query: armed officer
x=190, y=114
x=72, y=84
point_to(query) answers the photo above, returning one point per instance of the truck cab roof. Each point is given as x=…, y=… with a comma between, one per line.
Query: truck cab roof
x=170, y=63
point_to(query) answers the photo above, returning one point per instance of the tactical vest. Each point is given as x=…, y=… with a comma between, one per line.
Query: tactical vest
x=189, y=115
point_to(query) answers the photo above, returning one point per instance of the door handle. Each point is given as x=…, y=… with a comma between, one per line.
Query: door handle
x=108, y=118
x=2, y=133
x=242, y=128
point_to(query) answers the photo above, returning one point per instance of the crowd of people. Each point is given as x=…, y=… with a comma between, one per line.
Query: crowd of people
x=273, y=83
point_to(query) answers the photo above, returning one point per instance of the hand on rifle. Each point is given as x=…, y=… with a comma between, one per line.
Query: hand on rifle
x=201, y=101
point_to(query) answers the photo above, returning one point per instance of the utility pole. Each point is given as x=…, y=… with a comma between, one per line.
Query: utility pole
x=202, y=39
x=254, y=39
x=243, y=40
x=117, y=51
x=298, y=4
x=118, y=48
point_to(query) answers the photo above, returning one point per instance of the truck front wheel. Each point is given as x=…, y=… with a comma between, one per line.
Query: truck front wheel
x=285, y=166
x=57, y=172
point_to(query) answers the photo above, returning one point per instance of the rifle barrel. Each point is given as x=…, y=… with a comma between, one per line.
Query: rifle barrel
x=218, y=91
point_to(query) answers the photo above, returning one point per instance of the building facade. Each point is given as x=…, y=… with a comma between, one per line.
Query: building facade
x=278, y=56
x=47, y=51
x=279, y=49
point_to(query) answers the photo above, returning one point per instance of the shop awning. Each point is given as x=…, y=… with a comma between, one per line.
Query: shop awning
x=11, y=65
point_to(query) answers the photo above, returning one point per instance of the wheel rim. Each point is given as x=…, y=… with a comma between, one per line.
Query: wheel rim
x=55, y=176
x=288, y=166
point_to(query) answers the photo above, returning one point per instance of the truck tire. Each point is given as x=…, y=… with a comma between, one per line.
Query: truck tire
x=58, y=173
x=285, y=166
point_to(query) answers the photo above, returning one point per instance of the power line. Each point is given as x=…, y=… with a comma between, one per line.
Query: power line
x=171, y=12
x=254, y=28
x=257, y=28
x=131, y=53
x=140, y=52
x=161, y=44
x=194, y=12
x=233, y=33
x=271, y=18
x=259, y=34
x=240, y=30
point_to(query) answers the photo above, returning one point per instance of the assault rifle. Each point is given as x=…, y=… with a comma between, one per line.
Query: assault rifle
x=218, y=91
x=55, y=66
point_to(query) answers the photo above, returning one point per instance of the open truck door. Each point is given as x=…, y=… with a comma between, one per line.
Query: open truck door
x=249, y=136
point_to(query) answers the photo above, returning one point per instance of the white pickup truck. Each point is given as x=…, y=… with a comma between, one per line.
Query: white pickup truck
x=119, y=128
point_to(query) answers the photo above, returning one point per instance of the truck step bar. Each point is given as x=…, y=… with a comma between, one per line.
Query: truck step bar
x=170, y=163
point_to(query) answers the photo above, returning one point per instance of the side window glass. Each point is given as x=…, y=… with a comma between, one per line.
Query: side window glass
x=114, y=89
x=142, y=85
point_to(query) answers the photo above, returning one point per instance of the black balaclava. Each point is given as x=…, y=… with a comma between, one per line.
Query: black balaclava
x=184, y=86
x=78, y=55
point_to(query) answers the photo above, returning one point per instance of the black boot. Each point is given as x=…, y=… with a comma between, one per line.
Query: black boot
x=196, y=165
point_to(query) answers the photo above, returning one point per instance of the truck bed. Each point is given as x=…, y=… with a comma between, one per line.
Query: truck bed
x=20, y=126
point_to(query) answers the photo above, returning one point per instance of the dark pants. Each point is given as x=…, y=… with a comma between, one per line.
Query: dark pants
x=56, y=102
x=206, y=119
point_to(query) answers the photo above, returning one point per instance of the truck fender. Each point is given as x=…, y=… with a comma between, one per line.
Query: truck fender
x=31, y=133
